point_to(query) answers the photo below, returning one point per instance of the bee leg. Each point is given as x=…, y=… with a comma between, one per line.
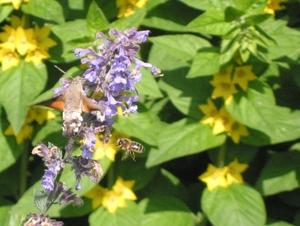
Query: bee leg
x=132, y=155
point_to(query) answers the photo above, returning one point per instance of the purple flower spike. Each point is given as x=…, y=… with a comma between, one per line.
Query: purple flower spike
x=52, y=157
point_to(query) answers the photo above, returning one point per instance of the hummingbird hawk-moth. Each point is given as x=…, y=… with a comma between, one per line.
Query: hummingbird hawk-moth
x=72, y=101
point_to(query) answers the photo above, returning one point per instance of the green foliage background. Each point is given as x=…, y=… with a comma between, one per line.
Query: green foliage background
x=190, y=41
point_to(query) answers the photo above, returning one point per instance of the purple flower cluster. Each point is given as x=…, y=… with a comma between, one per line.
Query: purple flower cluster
x=85, y=167
x=114, y=70
x=40, y=220
x=110, y=82
x=52, y=157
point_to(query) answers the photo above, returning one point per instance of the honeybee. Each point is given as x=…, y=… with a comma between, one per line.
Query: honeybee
x=129, y=146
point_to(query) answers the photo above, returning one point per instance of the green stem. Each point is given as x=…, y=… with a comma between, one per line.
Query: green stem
x=23, y=168
x=222, y=153
x=110, y=176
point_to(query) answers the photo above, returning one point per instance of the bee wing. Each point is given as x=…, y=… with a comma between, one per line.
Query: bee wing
x=125, y=155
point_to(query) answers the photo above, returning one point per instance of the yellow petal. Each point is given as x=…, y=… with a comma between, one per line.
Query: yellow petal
x=214, y=177
x=96, y=194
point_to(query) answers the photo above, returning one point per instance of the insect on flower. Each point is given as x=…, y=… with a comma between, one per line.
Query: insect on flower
x=129, y=146
x=72, y=101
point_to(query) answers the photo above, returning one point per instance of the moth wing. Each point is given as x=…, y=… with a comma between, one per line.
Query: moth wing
x=56, y=102
x=89, y=105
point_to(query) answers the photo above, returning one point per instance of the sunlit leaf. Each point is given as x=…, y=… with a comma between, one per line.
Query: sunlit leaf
x=128, y=215
x=258, y=110
x=48, y=10
x=95, y=19
x=237, y=204
x=180, y=139
x=163, y=210
x=210, y=22
x=281, y=173
x=17, y=90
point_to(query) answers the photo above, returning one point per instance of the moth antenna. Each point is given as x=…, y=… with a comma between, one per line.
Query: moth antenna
x=61, y=70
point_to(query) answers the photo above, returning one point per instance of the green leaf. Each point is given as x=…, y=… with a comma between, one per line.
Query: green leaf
x=280, y=223
x=163, y=210
x=206, y=4
x=133, y=20
x=281, y=173
x=5, y=11
x=5, y=207
x=237, y=204
x=143, y=126
x=78, y=29
x=286, y=39
x=45, y=9
x=232, y=13
x=186, y=94
x=148, y=85
x=228, y=50
x=166, y=61
x=257, y=109
x=249, y=5
x=17, y=90
x=182, y=46
x=257, y=18
x=51, y=131
x=95, y=19
x=25, y=203
x=206, y=62
x=170, y=16
x=180, y=139
x=129, y=171
x=243, y=152
x=10, y=149
x=41, y=200
x=165, y=184
x=210, y=22
x=129, y=215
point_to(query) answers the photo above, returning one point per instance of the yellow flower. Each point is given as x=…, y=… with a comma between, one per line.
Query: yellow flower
x=210, y=112
x=34, y=114
x=273, y=5
x=234, y=172
x=39, y=115
x=9, y=59
x=123, y=188
x=236, y=130
x=214, y=177
x=222, y=122
x=223, y=76
x=18, y=22
x=24, y=40
x=96, y=194
x=242, y=75
x=41, y=37
x=110, y=149
x=36, y=55
x=8, y=38
x=16, y=3
x=127, y=7
x=112, y=201
x=223, y=89
x=25, y=133
x=101, y=150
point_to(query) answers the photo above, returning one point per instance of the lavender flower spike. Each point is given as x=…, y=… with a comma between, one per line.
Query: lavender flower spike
x=52, y=157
